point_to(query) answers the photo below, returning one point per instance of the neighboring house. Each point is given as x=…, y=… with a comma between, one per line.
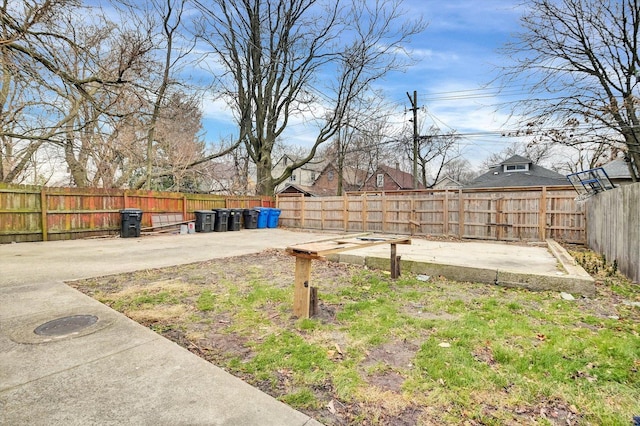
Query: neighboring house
x=388, y=178
x=305, y=175
x=618, y=172
x=518, y=171
x=307, y=191
x=225, y=179
x=327, y=182
x=447, y=182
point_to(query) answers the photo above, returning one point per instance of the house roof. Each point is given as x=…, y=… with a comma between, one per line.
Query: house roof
x=314, y=164
x=350, y=175
x=496, y=177
x=403, y=179
x=617, y=169
x=292, y=188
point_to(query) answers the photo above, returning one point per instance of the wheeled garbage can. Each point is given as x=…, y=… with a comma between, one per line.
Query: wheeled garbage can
x=235, y=217
x=222, y=220
x=205, y=220
x=250, y=217
x=130, y=220
x=263, y=217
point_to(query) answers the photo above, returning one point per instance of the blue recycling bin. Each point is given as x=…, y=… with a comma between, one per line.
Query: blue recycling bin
x=263, y=217
x=274, y=214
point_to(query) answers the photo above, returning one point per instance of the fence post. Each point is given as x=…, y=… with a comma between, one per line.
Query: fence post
x=460, y=214
x=184, y=207
x=383, y=199
x=363, y=212
x=345, y=212
x=302, y=212
x=445, y=213
x=542, y=211
x=43, y=215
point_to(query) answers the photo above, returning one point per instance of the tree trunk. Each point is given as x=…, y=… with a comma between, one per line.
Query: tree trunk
x=264, y=184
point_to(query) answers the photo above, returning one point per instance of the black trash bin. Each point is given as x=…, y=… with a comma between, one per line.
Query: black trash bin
x=205, y=220
x=221, y=220
x=250, y=217
x=130, y=220
x=235, y=216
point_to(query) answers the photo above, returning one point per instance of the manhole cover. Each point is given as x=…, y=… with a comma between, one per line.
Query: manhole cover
x=65, y=325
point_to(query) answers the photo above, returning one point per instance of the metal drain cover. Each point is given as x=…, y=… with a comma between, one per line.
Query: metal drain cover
x=65, y=325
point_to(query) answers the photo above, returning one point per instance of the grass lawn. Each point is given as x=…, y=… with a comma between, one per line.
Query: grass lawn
x=400, y=352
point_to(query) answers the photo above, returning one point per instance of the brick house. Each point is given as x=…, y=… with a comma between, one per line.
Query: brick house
x=388, y=178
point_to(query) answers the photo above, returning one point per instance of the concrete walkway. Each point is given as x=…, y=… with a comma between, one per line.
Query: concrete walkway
x=116, y=371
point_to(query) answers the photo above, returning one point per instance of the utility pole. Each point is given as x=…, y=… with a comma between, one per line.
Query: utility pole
x=414, y=108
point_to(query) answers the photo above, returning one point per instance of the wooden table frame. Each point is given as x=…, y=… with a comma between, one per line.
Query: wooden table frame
x=305, y=297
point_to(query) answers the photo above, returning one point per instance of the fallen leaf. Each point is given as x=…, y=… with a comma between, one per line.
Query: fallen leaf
x=445, y=345
x=541, y=337
x=338, y=349
x=331, y=407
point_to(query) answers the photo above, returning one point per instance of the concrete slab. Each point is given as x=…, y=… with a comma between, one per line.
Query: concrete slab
x=535, y=267
x=118, y=372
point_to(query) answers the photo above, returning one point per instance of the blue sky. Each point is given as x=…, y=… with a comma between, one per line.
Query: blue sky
x=456, y=57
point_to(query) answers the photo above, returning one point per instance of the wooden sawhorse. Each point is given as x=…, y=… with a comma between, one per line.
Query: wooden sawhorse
x=305, y=297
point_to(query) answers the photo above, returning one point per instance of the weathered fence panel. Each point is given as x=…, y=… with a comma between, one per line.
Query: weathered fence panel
x=613, y=222
x=514, y=214
x=32, y=213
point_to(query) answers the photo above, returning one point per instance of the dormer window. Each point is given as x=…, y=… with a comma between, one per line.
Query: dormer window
x=516, y=167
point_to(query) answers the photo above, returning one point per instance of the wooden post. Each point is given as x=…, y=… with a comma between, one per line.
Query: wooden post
x=184, y=207
x=384, y=200
x=395, y=263
x=345, y=212
x=302, y=212
x=445, y=213
x=363, y=212
x=460, y=214
x=43, y=215
x=322, y=215
x=302, y=288
x=499, y=219
x=542, y=218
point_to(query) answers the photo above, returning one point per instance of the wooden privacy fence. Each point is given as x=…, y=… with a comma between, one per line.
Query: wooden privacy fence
x=512, y=214
x=614, y=227
x=32, y=213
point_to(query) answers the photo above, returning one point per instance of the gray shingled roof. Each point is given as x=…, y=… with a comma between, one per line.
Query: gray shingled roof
x=617, y=169
x=496, y=177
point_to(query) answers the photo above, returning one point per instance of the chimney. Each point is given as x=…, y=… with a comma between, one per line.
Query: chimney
x=397, y=165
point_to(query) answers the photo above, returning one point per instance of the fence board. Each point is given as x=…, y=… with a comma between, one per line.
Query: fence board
x=32, y=213
x=613, y=220
x=530, y=214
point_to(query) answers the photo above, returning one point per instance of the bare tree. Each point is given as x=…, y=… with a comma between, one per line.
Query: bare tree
x=583, y=54
x=435, y=150
x=57, y=82
x=277, y=57
x=536, y=152
x=460, y=170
